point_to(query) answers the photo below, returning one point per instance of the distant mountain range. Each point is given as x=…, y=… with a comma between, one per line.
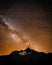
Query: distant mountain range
x=26, y=57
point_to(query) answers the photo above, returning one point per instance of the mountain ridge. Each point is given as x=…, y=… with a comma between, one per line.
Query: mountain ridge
x=27, y=59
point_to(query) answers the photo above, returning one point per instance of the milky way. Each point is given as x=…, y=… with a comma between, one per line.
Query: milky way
x=25, y=25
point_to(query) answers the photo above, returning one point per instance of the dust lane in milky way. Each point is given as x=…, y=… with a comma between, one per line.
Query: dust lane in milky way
x=28, y=26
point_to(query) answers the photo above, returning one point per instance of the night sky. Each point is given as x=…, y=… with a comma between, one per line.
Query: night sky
x=26, y=24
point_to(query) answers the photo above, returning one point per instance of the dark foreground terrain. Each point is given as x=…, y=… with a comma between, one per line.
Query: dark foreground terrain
x=31, y=57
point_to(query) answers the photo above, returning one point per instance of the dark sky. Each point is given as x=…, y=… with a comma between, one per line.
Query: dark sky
x=30, y=20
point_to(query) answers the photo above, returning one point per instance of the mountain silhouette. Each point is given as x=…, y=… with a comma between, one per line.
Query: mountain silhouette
x=30, y=57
